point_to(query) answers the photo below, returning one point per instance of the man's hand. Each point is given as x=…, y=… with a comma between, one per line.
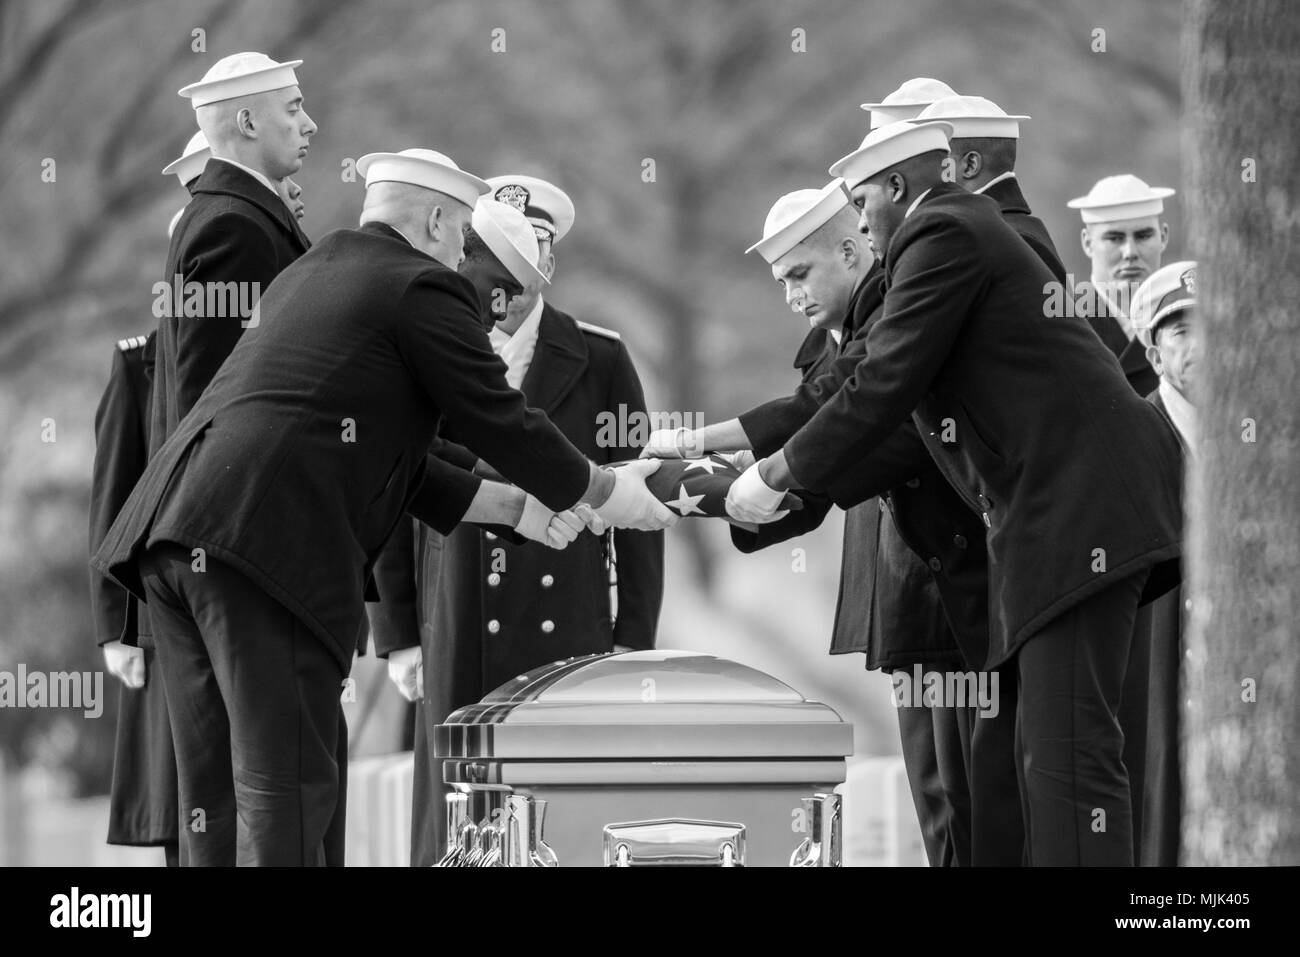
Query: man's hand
x=630, y=504
x=406, y=671
x=552, y=529
x=677, y=443
x=125, y=663
x=750, y=499
x=595, y=524
x=739, y=460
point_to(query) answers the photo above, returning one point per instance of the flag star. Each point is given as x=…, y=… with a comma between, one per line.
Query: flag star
x=686, y=504
x=707, y=464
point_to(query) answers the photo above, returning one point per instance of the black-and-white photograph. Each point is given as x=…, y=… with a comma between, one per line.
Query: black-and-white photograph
x=489, y=433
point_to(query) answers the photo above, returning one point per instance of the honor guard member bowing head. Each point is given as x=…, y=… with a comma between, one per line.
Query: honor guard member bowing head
x=908, y=101
x=982, y=157
x=236, y=235
x=1032, y=423
x=888, y=606
x=186, y=168
x=1124, y=238
x=289, y=475
x=490, y=609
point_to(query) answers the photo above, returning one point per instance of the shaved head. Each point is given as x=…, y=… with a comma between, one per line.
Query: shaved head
x=434, y=222
x=268, y=132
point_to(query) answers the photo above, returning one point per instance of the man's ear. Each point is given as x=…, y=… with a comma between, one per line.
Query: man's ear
x=547, y=266
x=1153, y=357
x=436, y=223
x=1164, y=236
x=971, y=164
x=244, y=123
x=1085, y=240
x=897, y=187
x=849, y=252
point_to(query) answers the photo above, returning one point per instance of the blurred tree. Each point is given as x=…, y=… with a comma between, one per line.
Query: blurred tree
x=1242, y=736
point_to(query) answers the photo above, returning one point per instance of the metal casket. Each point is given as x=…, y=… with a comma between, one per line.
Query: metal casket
x=643, y=758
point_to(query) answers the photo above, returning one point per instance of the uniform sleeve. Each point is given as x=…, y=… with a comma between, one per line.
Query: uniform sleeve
x=898, y=459
x=639, y=555
x=231, y=248
x=444, y=495
x=815, y=509
x=394, y=622
x=121, y=453
x=938, y=273
x=770, y=425
x=443, y=342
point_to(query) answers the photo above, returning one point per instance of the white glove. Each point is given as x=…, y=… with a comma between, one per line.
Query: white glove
x=406, y=671
x=739, y=460
x=677, y=443
x=750, y=499
x=631, y=505
x=552, y=529
x=125, y=663
x=595, y=524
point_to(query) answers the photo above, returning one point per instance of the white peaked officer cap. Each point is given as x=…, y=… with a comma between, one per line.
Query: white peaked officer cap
x=240, y=74
x=1121, y=197
x=510, y=236
x=908, y=100
x=972, y=116
x=543, y=204
x=1168, y=290
x=426, y=168
x=192, y=160
x=796, y=216
x=888, y=145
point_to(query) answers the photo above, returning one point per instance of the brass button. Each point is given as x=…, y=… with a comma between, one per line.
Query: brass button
x=914, y=483
x=935, y=565
x=494, y=579
x=494, y=626
x=491, y=537
x=959, y=541
x=984, y=502
x=548, y=626
x=548, y=581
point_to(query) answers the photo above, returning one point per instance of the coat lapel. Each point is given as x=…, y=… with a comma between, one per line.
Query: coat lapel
x=558, y=361
x=223, y=179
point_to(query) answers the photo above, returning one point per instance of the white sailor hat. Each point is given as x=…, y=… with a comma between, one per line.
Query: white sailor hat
x=427, y=168
x=240, y=74
x=191, y=162
x=796, y=216
x=908, y=100
x=888, y=145
x=510, y=236
x=1166, y=291
x=543, y=204
x=973, y=116
x=1120, y=197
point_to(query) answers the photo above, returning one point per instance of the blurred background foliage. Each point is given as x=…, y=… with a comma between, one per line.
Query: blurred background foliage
x=714, y=93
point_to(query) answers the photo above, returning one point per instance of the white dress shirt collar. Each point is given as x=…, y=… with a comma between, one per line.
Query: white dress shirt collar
x=260, y=177
x=1182, y=413
x=915, y=203
x=517, y=350
x=1009, y=174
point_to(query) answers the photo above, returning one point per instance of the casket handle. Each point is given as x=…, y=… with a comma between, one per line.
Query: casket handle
x=823, y=845
x=675, y=842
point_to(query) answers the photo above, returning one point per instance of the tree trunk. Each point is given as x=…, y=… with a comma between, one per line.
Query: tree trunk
x=1242, y=726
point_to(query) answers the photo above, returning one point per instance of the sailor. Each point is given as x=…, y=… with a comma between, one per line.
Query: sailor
x=1124, y=238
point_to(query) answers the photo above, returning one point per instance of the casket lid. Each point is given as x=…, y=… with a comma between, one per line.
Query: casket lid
x=656, y=703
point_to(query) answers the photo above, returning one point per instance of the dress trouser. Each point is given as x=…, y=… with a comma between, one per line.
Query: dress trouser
x=997, y=827
x=936, y=754
x=1074, y=787
x=259, y=731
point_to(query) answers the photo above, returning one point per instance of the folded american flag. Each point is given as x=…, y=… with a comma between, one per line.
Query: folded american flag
x=699, y=487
